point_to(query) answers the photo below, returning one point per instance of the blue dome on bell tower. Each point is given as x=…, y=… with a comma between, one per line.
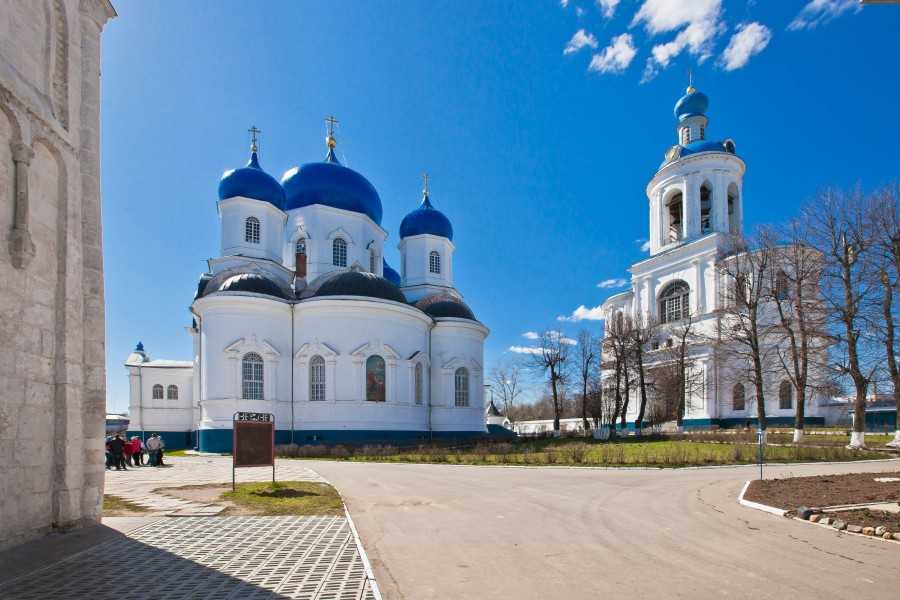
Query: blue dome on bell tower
x=692, y=104
x=426, y=220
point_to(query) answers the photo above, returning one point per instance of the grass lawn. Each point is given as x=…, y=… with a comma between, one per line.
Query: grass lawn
x=576, y=452
x=286, y=498
x=113, y=506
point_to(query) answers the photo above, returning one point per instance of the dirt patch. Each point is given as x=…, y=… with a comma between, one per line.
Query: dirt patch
x=870, y=518
x=264, y=499
x=209, y=494
x=824, y=490
x=113, y=506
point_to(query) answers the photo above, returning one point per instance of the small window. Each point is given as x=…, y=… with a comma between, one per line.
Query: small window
x=655, y=345
x=669, y=343
x=741, y=293
x=339, y=252
x=676, y=216
x=702, y=133
x=419, y=383
x=372, y=257
x=434, y=262
x=785, y=395
x=461, y=386
x=172, y=392
x=685, y=136
x=738, y=400
x=317, y=379
x=157, y=392
x=375, y=379
x=251, y=230
x=781, y=285
x=300, y=257
x=252, y=377
x=300, y=246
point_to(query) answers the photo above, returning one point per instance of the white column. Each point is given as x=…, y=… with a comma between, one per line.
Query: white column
x=699, y=287
x=691, y=208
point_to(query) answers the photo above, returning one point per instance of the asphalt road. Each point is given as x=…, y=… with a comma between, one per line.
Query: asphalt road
x=436, y=531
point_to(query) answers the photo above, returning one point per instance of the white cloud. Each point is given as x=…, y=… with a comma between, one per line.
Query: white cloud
x=524, y=350
x=608, y=7
x=579, y=11
x=531, y=335
x=700, y=21
x=612, y=283
x=583, y=313
x=749, y=39
x=579, y=41
x=616, y=57
x=554, y=335
x=819, y=12
x=564, y=3
x=645, y=244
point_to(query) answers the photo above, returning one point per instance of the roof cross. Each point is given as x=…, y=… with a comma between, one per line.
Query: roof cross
x=331, y=122
x=425, y=183
x=254, y=138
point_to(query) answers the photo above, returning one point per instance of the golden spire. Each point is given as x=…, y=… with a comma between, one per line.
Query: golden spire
x=329, y=139
x=254, y=138
x=690, y=88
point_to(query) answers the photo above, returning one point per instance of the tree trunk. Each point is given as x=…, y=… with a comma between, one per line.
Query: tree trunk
x=627, y=398
x=887, y=308
x=639, y=422
x=584, y=401
x=555, y=403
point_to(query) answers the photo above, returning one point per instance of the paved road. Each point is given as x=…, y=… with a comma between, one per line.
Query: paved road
x=436, y=531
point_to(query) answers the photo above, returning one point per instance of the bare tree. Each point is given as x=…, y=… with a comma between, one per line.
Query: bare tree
x=885, y=220
x=689, y=381
x=743, y=328
x=793, y=288
x=615, y=350
x=586, y=354
x=506, y=379
x=839, y=229
x=551, y=359
x=643, y=331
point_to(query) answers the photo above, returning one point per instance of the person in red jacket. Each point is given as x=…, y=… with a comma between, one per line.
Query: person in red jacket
x=137, y=451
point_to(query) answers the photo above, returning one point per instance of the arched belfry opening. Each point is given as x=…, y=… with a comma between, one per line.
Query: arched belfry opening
x=675, y=212
x=733, y=209
x=706, y=209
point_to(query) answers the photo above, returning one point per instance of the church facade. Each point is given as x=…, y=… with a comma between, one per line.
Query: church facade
x=300, y=316
x=696, y=211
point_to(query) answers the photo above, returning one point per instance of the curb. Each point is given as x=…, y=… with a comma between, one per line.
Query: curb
x=763, y=507
x=781, y=513
x=370, y=575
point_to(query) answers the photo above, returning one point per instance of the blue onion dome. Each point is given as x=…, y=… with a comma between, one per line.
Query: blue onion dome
x=360, y=283
x=692, y=104
x=444, y=305
x=707, y=146
x=251, y=182
x=426, y=219
x=252, y=282
x=331, y=184
x=390, y=274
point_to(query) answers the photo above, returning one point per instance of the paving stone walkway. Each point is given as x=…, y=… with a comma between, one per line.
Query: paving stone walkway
x=138, y=484
x=186, y=555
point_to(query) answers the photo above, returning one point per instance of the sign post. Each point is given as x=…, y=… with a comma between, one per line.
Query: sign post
x=253, y=442
x=760, y=437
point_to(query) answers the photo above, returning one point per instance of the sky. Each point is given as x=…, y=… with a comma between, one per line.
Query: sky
x=539, y=124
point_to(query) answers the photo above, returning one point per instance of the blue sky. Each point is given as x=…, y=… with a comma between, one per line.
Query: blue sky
x=539, y=122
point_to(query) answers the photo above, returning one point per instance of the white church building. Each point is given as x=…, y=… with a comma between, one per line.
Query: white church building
x=300, y=316
x=696, y=207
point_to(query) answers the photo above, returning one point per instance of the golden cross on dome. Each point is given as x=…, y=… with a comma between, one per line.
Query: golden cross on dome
x=425, y=183
x=690, y=88
x=254, y=138
x=331, y=121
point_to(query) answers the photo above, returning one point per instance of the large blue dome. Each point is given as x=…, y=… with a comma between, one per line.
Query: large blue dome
x=426, y=219
x=692, y=104
x=390, y=274
x=251, y=182
x=331, y=184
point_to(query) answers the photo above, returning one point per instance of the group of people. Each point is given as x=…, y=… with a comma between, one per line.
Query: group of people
x=122, y=453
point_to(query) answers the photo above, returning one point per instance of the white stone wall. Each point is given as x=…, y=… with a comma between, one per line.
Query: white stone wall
x=52, y=376
x=415, y=272
x=234, y=213
x=165, y=414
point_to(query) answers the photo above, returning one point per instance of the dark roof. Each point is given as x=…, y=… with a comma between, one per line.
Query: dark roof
x=201, y=285
x=251, y=282
x=359, y=283
x=441, y=305
x=493, y=410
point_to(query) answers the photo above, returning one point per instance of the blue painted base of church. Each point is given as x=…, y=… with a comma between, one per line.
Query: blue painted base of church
x=172, y=440
x=220, y=440
x=732, y=423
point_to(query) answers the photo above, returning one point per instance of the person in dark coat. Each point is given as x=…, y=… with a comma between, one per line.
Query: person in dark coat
x=117, y=447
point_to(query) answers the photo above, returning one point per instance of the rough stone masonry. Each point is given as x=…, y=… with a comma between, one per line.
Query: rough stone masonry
x=52, y=374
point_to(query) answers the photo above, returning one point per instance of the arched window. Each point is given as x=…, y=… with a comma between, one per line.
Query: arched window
x=317, y=378
x=419, y=383
x=252, y=377
x=172, y=392
x=685, y=136
x=781, y=285
x=702, y=133
x=461, y=386
x=732, y=209
x=785, y=395
x=251, y=230
x=675, y=302
x=738, y=399
x=741, y=293
x=705, y=208
x=300, y=257
x=434, y=262
x=157, y=392
x=339, y=252
x=676, y=218
x=375, y=387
